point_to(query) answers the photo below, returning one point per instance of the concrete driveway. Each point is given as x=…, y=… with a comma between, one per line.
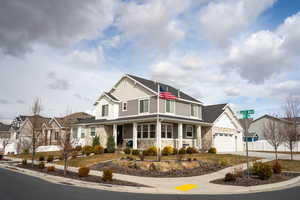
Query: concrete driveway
x=268, y=155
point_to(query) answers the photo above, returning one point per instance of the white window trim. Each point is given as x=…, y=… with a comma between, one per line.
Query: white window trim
x=125, y=102
x=102, y=110
x=139, y=111
x=191, y=115
x=148, y=130
x=166, y=135
x=173, y=107
x=187, y=126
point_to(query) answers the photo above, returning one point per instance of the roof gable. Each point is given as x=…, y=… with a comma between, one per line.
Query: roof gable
x=212, y=112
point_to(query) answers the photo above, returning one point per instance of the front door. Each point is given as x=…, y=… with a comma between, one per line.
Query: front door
x=119, y=134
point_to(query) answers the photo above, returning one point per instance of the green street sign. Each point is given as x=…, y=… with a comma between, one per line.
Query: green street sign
x=246, y=113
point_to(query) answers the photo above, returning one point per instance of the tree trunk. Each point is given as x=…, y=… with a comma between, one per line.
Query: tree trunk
x=65, y=165
x=276, y=156
x=291, y=149
x=33, y=148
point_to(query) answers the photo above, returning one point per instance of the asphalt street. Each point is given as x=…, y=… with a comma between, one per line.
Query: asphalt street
x=17, y=186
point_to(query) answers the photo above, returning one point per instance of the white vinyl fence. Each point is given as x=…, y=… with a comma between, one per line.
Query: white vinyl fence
x=263, y=145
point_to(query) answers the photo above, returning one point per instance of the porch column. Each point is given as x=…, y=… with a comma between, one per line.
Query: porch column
x=198, y=136
x=49, y=137
x=78, y=134
x=179, y=135
x=158, y=135
x=115, y=134
x=134, y=135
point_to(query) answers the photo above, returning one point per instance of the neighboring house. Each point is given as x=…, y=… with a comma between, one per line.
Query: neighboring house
x=4, y=135
x=58, y=127
x=129, y=113
x=256, y=130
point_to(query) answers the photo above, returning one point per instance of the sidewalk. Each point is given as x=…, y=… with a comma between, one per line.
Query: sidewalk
x=168, y=185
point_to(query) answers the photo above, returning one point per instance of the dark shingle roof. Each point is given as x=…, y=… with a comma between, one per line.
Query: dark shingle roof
x=72, y=118
x=153, y=86
x=4, y=127
x=212, y=112
x=111, y=96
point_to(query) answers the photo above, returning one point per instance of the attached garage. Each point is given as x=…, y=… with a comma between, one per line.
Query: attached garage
x=225, y=142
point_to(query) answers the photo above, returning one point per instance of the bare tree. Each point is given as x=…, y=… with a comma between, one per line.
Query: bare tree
x=273, y=133
x=292, y=111
x=66, y=144
x=36, y=110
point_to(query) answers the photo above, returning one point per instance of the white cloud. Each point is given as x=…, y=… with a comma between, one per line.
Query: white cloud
x=152, y=23
x=221, y=20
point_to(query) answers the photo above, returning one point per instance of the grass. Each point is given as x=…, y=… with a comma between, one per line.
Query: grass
x=91, y=160
x=288, y=165
x=37, y=155
x=281, y=152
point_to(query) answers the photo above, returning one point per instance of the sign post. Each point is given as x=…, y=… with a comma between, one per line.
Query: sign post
x=246, y=115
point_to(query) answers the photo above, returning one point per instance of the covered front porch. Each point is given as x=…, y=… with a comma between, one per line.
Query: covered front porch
x=165, y=132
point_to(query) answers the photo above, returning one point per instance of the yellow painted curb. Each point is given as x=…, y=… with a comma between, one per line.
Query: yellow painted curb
x=186, y=187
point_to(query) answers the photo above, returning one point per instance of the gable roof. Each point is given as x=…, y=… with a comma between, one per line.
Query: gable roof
x=153, y=86
x=211, y=112
x=38, y=120
x=111, y=96
x=72, y=118
x=4, y=127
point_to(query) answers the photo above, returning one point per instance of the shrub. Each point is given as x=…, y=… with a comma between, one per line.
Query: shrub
x=189, y=159
x=276, y=168
x=238, y=172
x=111, y=146
x=182, y=150
x=212, y=150
x=175, y=151
x=264, y=171
x=50, y=158
x=224, y=162
x=107, y=175
x=167, y=150
x=152, y=151
x=24, y=162
x=135, y=152
x=83, y=171
x=78, y=148
x=25, y=151
x=142, y=156
x=255, y=167
x=229, y=177
x=152, y=167
x=87, y=150
x=41, y=158
x=41, y=165
x=179, y=157
x=98, y=149
x=127, y=151
x=50, y=169
x=191, y=150
x=1, y=156
x=96, y=141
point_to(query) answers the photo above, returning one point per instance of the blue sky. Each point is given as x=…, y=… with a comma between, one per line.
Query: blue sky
x=244, y=52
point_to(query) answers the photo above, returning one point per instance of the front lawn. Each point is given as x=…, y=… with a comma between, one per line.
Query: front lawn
x=289, y=165
x=37, y=155
x=281, y=152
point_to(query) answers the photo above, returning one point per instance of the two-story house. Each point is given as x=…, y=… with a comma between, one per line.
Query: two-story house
x=135, y=115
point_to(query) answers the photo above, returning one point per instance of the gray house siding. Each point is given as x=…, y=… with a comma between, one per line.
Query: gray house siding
x=132, y=108
x=182, y=109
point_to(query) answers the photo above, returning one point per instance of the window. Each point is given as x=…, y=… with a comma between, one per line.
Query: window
x=200, y=112
x=75, y=133
x=139, y=131
x=152, y=130
x=144, y=106
x=56, y=135
x=124, y=106
x=104, y=110
x=194, y=110
x=145, y=131
x=82, y=133
x=170, y=106
x=189, y=132
x=93, y=131
x=166, y=131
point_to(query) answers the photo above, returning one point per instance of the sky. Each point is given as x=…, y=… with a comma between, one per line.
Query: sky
x=67, y=53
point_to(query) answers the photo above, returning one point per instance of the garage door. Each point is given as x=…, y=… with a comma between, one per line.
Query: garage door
x=224, y=142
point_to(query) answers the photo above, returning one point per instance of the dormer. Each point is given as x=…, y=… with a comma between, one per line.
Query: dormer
x=107, y=106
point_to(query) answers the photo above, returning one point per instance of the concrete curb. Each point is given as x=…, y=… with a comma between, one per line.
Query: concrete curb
x=205, y=187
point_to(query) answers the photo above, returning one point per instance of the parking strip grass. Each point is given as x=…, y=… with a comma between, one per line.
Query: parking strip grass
x=288, y=165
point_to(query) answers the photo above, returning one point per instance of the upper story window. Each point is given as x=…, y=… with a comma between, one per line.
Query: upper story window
x=124, y=106
x=82, y=133
x=170, y=106
x=104, y=110
x=189, y=131
x=56, y=135
x=194, y=110
x=93, y=131
x=144, y=106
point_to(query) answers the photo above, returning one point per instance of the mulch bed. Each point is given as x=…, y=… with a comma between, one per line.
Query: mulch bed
x=73, y=175
x=254, y=180
x=205, y=168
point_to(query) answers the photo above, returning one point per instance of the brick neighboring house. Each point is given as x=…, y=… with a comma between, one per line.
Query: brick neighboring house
x=129, y=113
